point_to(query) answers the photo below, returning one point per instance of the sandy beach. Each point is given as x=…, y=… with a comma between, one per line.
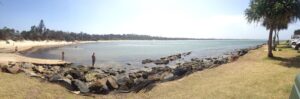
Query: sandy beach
x=8, y=51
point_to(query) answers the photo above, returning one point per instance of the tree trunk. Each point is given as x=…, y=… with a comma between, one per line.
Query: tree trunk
x=270, y=54
x=277, y=37
x=274, y=40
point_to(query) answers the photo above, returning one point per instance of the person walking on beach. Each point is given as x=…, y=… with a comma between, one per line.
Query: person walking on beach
x=62, y=55
x=93, y=59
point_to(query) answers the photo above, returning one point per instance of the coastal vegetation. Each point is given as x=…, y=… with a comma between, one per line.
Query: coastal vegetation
x=40, y=32
x=274, y=15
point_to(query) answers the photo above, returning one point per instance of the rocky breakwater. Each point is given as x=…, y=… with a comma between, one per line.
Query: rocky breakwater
x=87, y=80
x=166, y=60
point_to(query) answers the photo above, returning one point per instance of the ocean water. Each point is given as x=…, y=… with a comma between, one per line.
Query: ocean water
x=120, y=53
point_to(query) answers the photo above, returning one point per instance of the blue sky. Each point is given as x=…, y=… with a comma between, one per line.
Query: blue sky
x=169, y=18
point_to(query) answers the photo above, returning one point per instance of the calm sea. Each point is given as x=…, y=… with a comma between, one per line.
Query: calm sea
x=120, y=53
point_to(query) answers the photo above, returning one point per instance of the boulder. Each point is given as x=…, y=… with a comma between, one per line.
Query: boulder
x=98, y=71
x=180, y=71
x=110, y=71
x=103, y=81
x=142, y=84
x=39, y=69
x=163, y=58
x=196, y=59
x=83, y=69
x=160, y=69
x=101, y=75
x=124, y=82
x=172, y=58
x=99, y=87
x=112, y=83
x=67, y=81
x=207, y=63
x=68, y=76
x=90, y=76
x=80, y=86
x=147, y=61
x=28, y=65
x=55, y=68
x=161, y=62
x=13, y=69
x=121, y=71
x=30, y=73
x=154, y=77
x=233, y=58
x=56, y=78
x=166, y=76
x=141, y=74
x=76, y=74
x=138, y=81
x=186, y=54
x=95, y=86
x=132, y=76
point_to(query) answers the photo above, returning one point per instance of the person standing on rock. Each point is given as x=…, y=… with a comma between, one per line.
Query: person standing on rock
x=62, y=55
x=93, y=59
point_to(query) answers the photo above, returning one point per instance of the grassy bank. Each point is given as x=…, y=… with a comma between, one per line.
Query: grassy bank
x=252, y=76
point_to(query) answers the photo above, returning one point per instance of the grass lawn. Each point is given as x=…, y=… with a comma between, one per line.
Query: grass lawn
x=253, y=76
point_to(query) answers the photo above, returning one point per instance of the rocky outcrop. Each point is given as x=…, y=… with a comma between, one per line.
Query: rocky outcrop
x=166, y=60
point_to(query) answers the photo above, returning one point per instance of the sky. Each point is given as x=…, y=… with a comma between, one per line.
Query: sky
x=167, y=18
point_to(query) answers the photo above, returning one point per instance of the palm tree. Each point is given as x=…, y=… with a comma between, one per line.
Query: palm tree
x=276, y=36
x=272, y=14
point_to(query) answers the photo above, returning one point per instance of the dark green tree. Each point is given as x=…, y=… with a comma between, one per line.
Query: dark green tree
x=272, y=14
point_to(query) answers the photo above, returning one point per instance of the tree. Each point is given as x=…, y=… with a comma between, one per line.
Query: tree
x=6, y=33
x=276, y=36
x=272, y=14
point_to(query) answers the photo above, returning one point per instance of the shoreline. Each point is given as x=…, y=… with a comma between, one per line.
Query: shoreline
x=92, y=80
x=8, y=54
